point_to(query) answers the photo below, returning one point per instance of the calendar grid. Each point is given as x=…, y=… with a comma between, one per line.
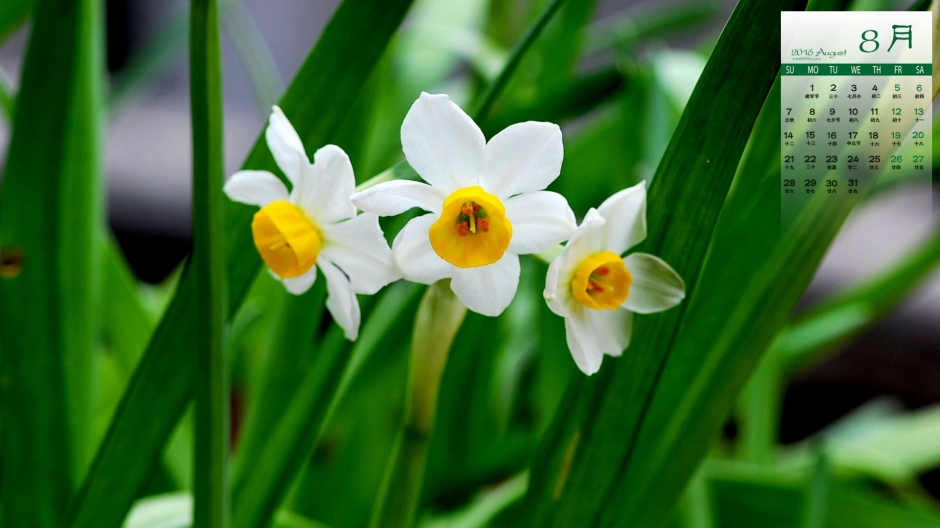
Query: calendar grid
x=849, y=117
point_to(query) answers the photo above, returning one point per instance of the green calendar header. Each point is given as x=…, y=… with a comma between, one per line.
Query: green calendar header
x=855, y=69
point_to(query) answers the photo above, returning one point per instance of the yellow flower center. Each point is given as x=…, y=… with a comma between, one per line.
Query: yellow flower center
x=473, y=229
x=287, y=240
x=601, y=281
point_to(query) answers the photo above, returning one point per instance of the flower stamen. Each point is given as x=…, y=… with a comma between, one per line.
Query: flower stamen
x=482, y=230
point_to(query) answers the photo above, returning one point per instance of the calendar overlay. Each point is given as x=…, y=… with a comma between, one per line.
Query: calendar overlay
x=856, y=104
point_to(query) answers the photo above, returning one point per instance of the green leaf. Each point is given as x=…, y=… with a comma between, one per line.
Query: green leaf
x=822, y=329
x=174, y=510
x=483, y=508
x=751, y=281
x=289, y=354
x=842, y=316
x=171, y=510
x=253, y=53
x=817, y=496
x=578, y=477
x=562, y=102
x=759, y=412
x=126, y=322
x=648, y=21
x=261, y=492
x=561, y=47
x=440, y=315
x=696, y=508
x=49, y=217
x=495, y=88
x=260, y=481
x=211, y=477
x=746, y=495
x=12, y=14
x=327, y=84
x=7, y=97
x=892, y=446
x=289, y=519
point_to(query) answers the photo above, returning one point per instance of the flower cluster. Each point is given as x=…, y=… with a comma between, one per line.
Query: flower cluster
x=485, y=204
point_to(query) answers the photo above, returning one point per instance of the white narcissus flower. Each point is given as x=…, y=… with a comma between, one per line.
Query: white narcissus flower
x=597, y=291
x=486, y=201
x=315, y=225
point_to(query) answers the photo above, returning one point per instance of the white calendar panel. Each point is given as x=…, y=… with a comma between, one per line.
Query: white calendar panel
x=855, y=103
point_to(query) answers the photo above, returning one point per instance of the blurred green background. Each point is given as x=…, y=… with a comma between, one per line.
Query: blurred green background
x=838, y=425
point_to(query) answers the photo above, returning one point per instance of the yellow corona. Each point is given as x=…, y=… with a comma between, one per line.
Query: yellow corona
x=473, y=229
x=602, y=282
x=287, y=239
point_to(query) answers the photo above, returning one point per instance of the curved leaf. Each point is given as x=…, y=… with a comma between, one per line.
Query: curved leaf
x=577, y=478
x=327, y=84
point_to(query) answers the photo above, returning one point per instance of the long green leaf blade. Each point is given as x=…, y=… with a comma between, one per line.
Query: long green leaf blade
x=12, y=14
x=49, y=216
x=585, y=452
x=7, y=97
x=495, y=88
x=856, y=308
x=211, y=485
x=317, y=100
x=440, y=315
x=260, y=481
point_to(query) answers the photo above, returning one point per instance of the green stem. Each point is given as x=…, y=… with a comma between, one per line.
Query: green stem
x=495, y=89
x=211, y=486
x=817, y=493
x=325, y=86
x=760, y=412
x=439, y=317
x=82, y=216
x=696, y=507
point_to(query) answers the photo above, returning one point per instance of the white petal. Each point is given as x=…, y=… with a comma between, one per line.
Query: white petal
x=524, y=157
x=488, y=290
x=442, y=143
x=588, y=239
x=625, y=213
x=285, y=145
x=358, y=247
x=299, y=285
x=395, y=197
x=586, y=354
x=341, y=300
x=593, y=333
x=255, y=188
x=414, y=256
x=557, y=292
x=656, y=286
x=539, y=220
x=324, y=188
